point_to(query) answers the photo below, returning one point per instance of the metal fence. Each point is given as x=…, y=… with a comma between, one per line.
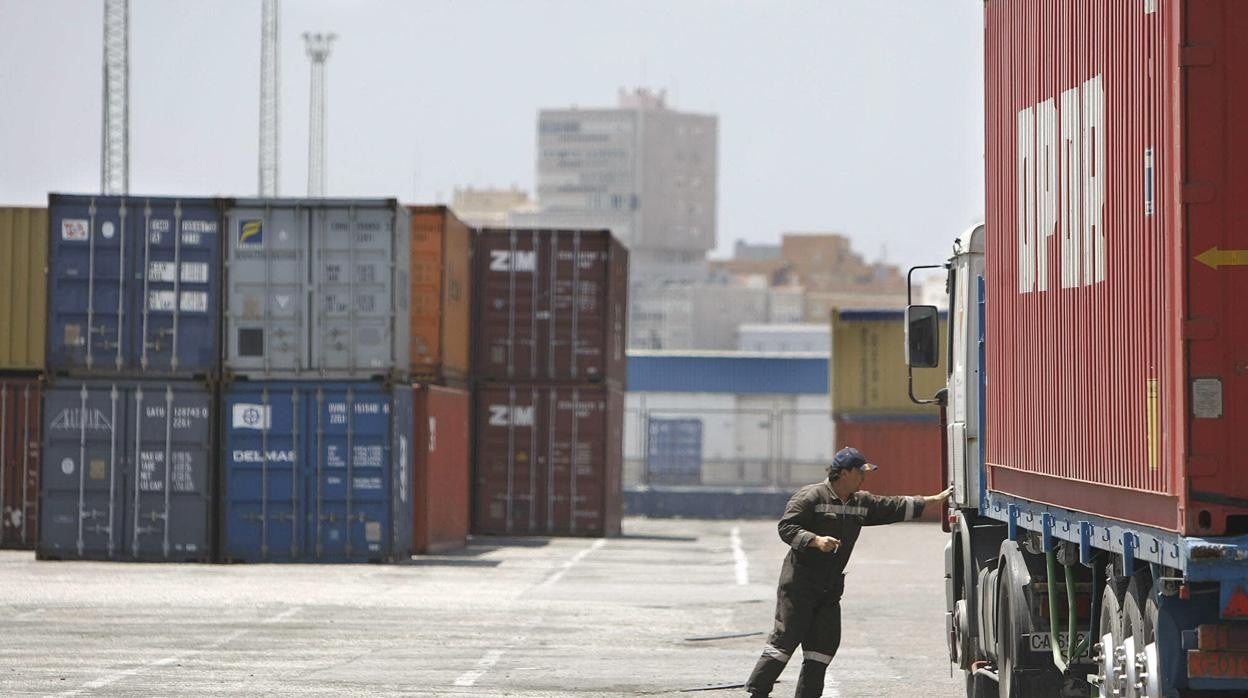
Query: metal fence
x=726, y=447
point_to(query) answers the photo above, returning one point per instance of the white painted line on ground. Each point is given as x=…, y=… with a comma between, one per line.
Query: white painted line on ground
x=109, y=679
x=563, y=569
x=469, y=678
x=742, y=564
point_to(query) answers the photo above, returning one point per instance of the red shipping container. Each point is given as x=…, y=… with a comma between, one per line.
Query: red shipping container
x=1117, y=365
x=549, y=460
x=551, y=305
x=439, y=468
x=907, y=448
x=19, y=461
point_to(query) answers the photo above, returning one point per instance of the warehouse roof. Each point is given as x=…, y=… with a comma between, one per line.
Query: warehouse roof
x=728, y=372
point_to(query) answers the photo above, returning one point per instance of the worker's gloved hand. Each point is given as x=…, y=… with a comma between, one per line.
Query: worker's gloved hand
x=827, y=544
x=938, y=498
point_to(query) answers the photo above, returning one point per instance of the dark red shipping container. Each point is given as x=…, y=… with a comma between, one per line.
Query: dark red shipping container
x=906, y=447
x=19, y=461
x=551, y=305
x=440, y=465
x=549, y=460
x=1117, y=257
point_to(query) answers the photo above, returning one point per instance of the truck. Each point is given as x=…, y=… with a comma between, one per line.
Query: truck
x=1096, y=407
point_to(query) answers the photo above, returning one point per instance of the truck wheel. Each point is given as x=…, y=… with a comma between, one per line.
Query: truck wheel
x=1110, y=624
x=980, y=686
x=1135, y=622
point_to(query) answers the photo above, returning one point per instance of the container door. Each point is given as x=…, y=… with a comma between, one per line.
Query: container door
x=576, y=465
x=170, y=515
x=175, y=331
x=427, y=275
x=349, y=480
x=19, y=463
x=82, y=501
x=88, y=279
x=264, y=503
x=674, y=451
x=509, y=462
x=579, y=318
x=399, y=536
x=354, y=302
x=514, y=316
x=266, y=317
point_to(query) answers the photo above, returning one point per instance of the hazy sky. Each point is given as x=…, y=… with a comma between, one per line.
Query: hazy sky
x=859, y=117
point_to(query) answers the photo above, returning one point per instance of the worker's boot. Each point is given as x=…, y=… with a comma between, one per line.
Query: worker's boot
x=810, y=681
x=764, y=676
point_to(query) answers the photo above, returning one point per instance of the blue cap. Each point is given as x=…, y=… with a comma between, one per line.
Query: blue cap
x=848, y=458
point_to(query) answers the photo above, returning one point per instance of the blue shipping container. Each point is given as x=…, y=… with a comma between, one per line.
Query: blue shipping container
x=674, y=451
x=317, y=472
x=128, y=470
x=134, y=286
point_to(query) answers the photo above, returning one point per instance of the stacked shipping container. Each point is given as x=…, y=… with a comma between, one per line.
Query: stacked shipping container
x=23, y=300
x=133, y=352
x=871, y=405
x=316, y=413
x=549, y=360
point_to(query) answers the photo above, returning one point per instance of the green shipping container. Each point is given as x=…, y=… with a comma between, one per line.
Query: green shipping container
x=23, y=287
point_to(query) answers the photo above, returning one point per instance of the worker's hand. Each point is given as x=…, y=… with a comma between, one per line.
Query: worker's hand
x=826, y=544
x=938, y=498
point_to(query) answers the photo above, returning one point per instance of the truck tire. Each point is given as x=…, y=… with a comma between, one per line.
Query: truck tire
x=1136, y=622
x=980, y=686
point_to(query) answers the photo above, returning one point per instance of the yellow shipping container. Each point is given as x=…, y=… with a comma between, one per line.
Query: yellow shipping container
x=23, y=287
x=867, y=374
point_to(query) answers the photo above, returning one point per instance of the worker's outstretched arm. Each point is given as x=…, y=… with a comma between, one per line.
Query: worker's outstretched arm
x=886, y=510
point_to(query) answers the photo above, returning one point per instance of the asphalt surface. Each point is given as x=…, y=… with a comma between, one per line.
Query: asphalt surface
x=673, y=608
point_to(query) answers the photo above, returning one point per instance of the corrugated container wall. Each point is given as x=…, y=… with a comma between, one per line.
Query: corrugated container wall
x=906, y=447
x=551, y=305
x=1115, y=168
x=19, y=461
x=549, y=460
x=440, y=468
x=134, y=286
x=868, y=366
x=317, y=289
x=441, y=298
x=128, y=471
x=23, y=288
x=316, y=472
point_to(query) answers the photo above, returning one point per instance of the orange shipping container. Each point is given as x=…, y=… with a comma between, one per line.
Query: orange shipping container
x=905, y=446
x=439, y=469
x=441, y=295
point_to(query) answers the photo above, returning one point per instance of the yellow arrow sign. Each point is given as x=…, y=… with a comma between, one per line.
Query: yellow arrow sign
x=1214, y=258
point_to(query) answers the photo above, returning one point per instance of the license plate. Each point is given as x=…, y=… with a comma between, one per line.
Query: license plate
x=1040, y=642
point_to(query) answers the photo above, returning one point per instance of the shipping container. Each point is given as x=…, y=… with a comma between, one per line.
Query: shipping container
x=867, y=373
x=128, y=471
x=548, y=459
x=440, y=468
x=907, y=447
x=441, y=298
x=316, y=472
x=551, y=305
x=317, y=289
x=134, y=287
x=1115, y=352
x=19, y=461
x=23, y=288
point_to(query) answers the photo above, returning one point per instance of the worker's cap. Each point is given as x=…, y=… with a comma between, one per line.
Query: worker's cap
x=849, y=458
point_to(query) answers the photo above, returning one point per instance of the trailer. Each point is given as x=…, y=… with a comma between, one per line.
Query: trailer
x=1097, y=393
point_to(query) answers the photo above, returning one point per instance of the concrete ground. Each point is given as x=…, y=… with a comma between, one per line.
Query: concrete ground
x=673, y=608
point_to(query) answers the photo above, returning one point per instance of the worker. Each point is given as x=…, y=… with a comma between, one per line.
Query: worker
x=821, y=524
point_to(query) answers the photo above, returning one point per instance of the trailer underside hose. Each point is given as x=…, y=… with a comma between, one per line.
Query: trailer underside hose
x=1072, y=649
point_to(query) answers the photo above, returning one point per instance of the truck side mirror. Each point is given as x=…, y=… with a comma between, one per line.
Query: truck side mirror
x=922, y=336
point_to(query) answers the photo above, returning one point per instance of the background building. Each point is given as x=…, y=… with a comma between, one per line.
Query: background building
x=489, y=208
x=643, y=170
